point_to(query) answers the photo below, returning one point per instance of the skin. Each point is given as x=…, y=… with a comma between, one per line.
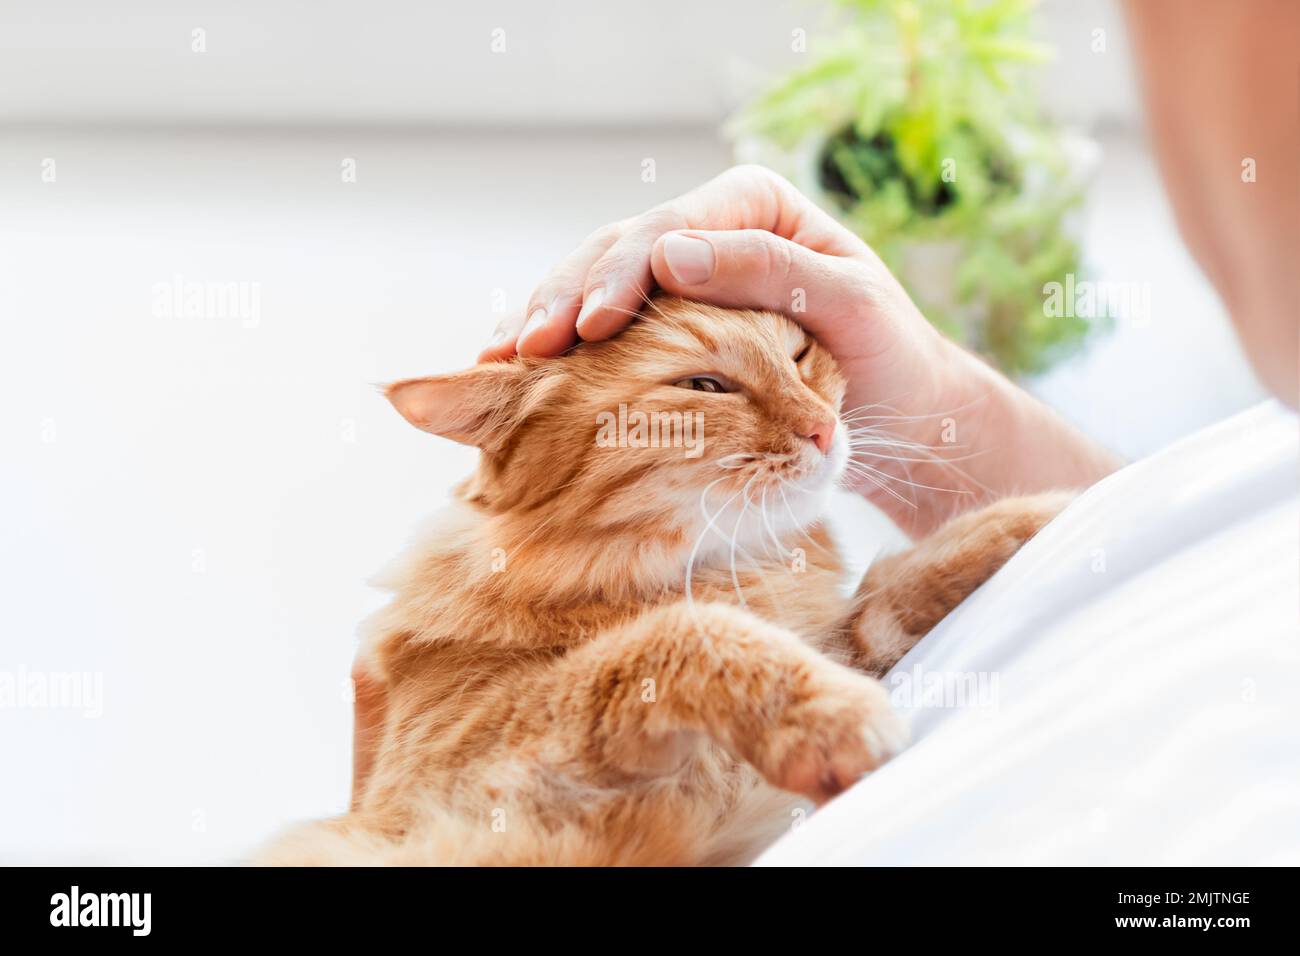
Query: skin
x=1220, y=87
x=1219, y=83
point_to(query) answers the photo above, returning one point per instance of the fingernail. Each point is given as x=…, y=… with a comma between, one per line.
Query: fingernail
x=535, y=321
x=690, y=260
x=595, y=298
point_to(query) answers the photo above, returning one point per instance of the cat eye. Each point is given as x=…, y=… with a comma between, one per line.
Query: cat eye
x=803, y=353
x=703, y=383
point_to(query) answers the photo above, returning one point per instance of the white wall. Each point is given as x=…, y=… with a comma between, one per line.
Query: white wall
x=572, y=62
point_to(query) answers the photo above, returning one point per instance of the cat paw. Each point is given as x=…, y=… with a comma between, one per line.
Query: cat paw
x=825, y=745
x=1022, y=518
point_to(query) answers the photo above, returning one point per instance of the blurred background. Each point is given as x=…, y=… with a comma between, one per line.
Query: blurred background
x=222, y=224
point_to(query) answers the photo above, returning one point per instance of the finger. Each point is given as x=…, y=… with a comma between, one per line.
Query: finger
x=502, y=344
x=752, y=268
x=743, y=197
x=549, y=329
x=552, y=310
x=620, y=281
x=754, y=197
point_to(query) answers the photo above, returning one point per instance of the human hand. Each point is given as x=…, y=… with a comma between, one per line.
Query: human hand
x=749, y=239
x=746, y=239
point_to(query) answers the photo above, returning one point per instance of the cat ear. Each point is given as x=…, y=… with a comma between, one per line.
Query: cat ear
x=479, y=406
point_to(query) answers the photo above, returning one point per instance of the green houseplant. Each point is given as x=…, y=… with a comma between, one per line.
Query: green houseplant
x=913, y=124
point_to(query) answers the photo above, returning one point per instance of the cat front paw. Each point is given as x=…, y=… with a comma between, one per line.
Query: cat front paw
x=824, y=745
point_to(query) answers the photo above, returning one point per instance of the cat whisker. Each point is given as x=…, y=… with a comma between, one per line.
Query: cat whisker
x=864, y=450
x=875, y=435
x=798, y=525
x=870, y=433
x=860, y=468
x=711, y=520
x=767, y=524
x=735, y=532
x=880, y=433
x=633, y=313
x=857, y=413
x=931, y=457
x=868, y=476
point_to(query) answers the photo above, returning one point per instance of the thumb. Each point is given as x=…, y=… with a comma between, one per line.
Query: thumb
x=756, y=269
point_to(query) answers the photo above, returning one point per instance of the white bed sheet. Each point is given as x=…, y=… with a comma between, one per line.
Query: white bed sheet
x=1126, y=690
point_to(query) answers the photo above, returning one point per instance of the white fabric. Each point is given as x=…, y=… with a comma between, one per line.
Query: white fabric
x=1141, y=666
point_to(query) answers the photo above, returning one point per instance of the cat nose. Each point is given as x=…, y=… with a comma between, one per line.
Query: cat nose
x=820, y=432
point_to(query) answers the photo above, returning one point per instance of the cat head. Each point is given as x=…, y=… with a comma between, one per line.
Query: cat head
x=696, y=426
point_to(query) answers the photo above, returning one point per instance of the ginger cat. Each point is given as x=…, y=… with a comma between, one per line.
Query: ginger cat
x=607, y=650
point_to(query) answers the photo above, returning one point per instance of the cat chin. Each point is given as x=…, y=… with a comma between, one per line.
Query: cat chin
x=754, y=534
x=784, y=510
x=765, y=523
x=807, y=503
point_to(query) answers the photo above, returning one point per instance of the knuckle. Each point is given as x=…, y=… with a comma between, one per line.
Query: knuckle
x=511, y=324
x=773, y=255
x=542, y=297
x=605, y=236
x=603, y=267
x=747, y=171
x=598, y=275
x=752, y=174
x=564, y=283
x=662, y=218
